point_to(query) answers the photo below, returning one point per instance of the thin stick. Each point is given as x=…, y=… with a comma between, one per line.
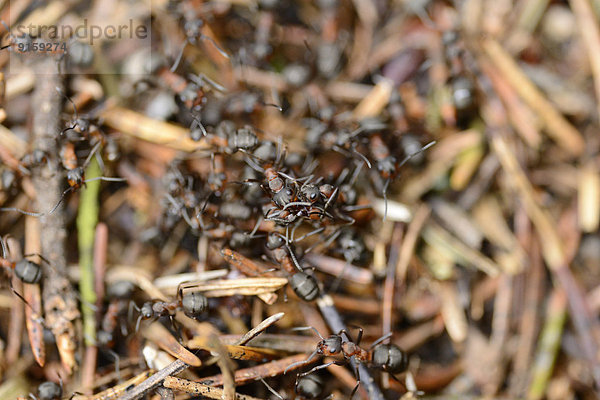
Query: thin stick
x=556, y=125
x=588, y=25
x=154, y=381
x=258, y=329
x=183, y=385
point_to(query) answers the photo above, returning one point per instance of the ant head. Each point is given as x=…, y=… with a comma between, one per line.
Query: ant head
x=38, y=156
x=331, y=345
x=105, y=338
x=284, y=196
x=390, y=358
x=275, y=241
x=387, y=166
x=28, y=271
x=192, y=27
x=147, y=312
x=75, y=176
x=276, y=184
x=310, y=386
x=310, y=192
x=305, y=286
x=326, y=190
x=49, y=391
x=83, y=124
x=194, y=304
x=216, y=180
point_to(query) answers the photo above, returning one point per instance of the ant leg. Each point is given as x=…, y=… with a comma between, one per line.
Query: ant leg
x=117, y=363
x=385, y=202
x=259, y=220
x=188, y=220
x=271, y=389
x=62, y=197
x=12, y=289
x=199, y=79
x=314, y=353
x=345, y=331
x=179, y=56
x=330, y=199
x=21, y=211
x=357, y=373
x=4, y=249
x=381, y=339
x=319, y=367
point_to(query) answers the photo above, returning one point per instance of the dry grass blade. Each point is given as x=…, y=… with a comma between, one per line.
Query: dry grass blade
x=143, y=127
x=267, y=370
x=33, y=295
x=244, y=286
x=158, y=334
x=335, y=267
x=183, y=385
x=588, y=25
x=237, y=352
x=375, y=101
x=556, y=125
x=589, y=197
x=258, y=329
x=115, y=391
x=438, y=237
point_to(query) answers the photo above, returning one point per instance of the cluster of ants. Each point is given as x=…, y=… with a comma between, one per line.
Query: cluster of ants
x=256, y=194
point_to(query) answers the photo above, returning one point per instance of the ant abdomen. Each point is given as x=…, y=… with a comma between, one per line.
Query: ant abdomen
x=194, y=304
x=49, y=391
x=390, y=358
x=310, y=386
x=305, y=286
x=28, y=271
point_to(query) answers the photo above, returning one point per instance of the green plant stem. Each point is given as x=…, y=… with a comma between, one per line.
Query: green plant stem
x=87, y=218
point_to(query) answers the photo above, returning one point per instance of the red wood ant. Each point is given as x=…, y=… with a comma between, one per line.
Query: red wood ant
x=26, y=270
x=387, y=357
x=387, y=165
x=192, y=26
x=193, y=305
x=305, y=286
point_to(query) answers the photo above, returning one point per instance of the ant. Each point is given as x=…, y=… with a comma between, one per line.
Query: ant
x=461, y=84
x=229, y=139
x=387, y=357
x=387, y=165
x=193, y=26
x=51, y=391
x=81, y=125
x=118, y=292
x=305, y=286
x=26, y=270
x=308, y=388
x=76, y=174
x=193, y=305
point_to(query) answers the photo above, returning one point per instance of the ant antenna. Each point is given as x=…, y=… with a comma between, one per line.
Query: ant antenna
x=411, y=155
x=32, y=214
x=271, y=389
x=381, y=339
x=200, y=79
x=59, y=90
x=385, y=202
x=306, y=328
